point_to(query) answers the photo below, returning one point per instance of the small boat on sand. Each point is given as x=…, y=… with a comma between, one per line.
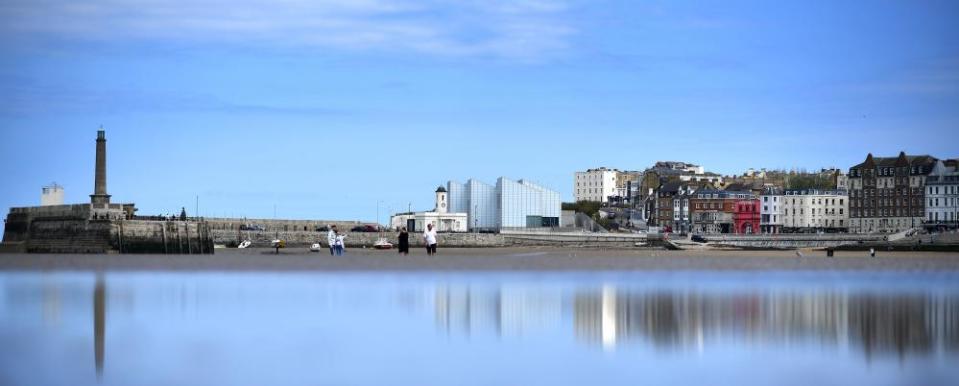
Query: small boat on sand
x=382, y=243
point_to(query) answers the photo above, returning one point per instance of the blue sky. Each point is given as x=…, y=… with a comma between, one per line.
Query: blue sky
x=324, y=108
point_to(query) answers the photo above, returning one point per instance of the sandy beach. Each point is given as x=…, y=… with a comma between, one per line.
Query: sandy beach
x=490, y=259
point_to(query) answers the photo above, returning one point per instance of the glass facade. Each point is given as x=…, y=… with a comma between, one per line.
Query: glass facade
x=483, y=205
x=522, y=203
x=515, y=204
x=458, y=197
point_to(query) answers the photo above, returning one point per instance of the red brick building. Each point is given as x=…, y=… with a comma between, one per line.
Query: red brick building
x=746, y=217
x=712, y=210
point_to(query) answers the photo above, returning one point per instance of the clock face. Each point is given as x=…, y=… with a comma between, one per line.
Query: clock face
x=443, y=205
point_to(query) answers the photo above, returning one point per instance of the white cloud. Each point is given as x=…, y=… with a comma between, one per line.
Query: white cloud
x=517, y=30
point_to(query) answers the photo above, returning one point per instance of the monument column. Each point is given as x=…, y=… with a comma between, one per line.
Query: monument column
x=100, y=195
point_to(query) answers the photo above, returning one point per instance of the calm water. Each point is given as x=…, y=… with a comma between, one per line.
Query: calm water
x=478, y=329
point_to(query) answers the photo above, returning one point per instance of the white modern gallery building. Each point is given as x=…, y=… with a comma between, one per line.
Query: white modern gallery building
x=481, y=207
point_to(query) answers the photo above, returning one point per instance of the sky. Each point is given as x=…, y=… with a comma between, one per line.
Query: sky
x=345, y=109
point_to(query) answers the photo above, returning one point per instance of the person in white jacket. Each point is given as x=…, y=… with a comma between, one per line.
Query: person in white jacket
x=429, y=238
x=331, y=239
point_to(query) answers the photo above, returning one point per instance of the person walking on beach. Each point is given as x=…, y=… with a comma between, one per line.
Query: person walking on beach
x=404, y=242
x=331, y=239
x=340, y=245
x=429, y=236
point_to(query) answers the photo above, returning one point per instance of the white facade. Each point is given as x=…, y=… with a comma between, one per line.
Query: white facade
x=942, y=194
x=440, y=217
x=595, y=184
x=524, y=204
x=51, y=195
x=805, y=210
x=682, y=220
x=771, y=211
x=511, y=204
x=701, y=177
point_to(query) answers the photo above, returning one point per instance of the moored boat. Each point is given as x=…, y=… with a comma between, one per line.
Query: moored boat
x=382, y=243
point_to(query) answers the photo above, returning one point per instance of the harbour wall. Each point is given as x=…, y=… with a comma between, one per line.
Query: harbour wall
x=232, y=238
x=83, y=228
x=295, y=239
x=792, y=241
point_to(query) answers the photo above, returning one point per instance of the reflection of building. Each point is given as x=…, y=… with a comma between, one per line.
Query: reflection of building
x=99, y=323
x=507, y=311
x=876, y=323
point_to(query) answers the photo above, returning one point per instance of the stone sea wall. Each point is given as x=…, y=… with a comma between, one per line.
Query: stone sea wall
x=455, y=240
x=166, y=237
x=74, y=229
x=354, y=239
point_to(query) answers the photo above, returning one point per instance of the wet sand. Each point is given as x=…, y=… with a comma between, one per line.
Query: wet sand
x=490, y=259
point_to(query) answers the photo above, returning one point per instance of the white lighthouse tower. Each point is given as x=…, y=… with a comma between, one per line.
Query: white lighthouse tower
x=441, y=204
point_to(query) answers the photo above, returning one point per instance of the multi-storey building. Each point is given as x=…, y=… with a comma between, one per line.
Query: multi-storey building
x=770, y=214
x=595, y=184
x=812, y=210
x=672, y=206
x=627, y=182
x=887, y=194
x=712, y=211
x=663, y=172
x=942, y=195
x=509, y=204
x=746, y=217
x=682, y=221
x=664, y=205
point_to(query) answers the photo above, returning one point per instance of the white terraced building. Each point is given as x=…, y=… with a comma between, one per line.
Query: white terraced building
x=942, y=195
x=595, y=184
x=771, y=210
x=812, y=210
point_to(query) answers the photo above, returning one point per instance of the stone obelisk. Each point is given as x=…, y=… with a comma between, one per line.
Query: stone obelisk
x=100, y=195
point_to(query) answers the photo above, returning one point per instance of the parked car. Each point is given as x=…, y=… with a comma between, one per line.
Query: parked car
x=698, y=238
x=365, y=228
x=323, y=228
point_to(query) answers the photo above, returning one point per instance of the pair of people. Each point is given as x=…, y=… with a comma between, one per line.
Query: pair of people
x=429, y=238
x=335, y=240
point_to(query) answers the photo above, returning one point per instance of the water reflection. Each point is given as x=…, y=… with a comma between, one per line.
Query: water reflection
x=918, y=323
x=99, y=323
x=203, y=329
x=506, y=311
x=680, y=319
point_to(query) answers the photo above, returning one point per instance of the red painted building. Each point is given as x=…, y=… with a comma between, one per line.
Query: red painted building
x=746, y=217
